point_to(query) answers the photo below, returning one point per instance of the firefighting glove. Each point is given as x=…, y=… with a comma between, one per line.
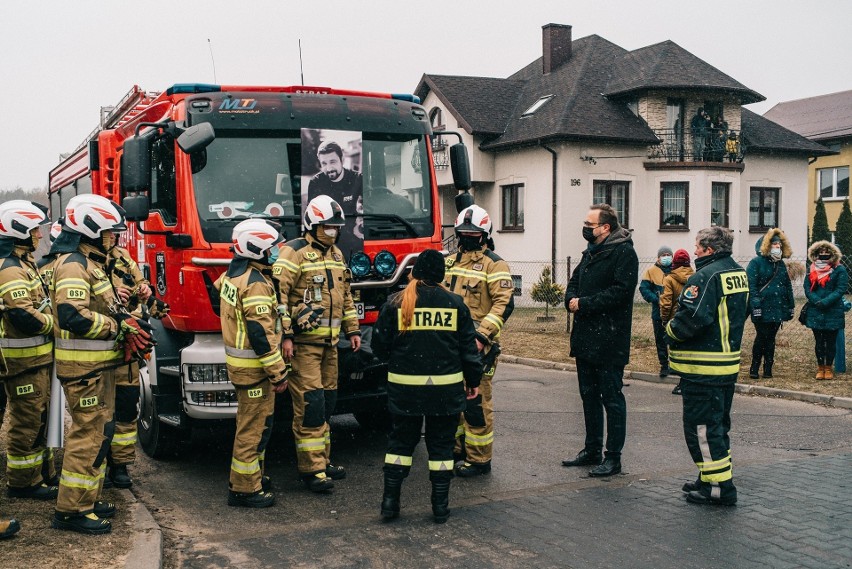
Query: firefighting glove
x=157, y=308
x=306, y=318
x=135, y=338
x=756, y=313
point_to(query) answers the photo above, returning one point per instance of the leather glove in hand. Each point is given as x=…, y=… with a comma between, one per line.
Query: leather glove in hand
x=157, y=308
x=306, y=318
x=135, y=337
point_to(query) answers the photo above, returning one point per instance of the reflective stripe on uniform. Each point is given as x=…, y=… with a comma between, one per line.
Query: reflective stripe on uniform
x=705, y=363
x=712, y=471
x=77, y=480
x=398, y=460
x=24, y=462
x=494, y=319
x=241, y=467
x=85, y=356
x=440, y=465
x=466, y=273
x=292, y=267
x=459, y=431
x=478, y=440
x=26, y=347
x=308, y=445
x=124, y=439
x=500, y=276
x=447, y=379
x=13, y=284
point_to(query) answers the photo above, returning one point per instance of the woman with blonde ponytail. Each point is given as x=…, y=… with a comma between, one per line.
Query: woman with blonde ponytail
x=426, y=335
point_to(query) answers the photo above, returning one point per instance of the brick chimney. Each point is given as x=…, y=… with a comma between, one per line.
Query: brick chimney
x=556, y=46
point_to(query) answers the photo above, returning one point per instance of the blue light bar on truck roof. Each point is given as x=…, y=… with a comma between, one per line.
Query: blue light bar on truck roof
x=404, y=97
x=179, y=88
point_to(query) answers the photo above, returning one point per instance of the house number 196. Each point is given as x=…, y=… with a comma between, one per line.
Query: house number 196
x=575, y=181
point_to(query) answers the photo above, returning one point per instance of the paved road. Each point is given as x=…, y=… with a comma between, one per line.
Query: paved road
x=792, y=462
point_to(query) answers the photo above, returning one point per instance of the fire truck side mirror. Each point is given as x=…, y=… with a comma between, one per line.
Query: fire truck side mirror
x=460, y=165
x=136, y=207
x=136, y=165
x=196, y=138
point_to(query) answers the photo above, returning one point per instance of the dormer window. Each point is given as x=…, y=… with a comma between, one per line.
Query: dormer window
x=537, y=105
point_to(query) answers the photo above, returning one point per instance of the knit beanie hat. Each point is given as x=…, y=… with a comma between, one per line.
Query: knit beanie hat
x=681, y=259
x=664, y=250
x=429, y=266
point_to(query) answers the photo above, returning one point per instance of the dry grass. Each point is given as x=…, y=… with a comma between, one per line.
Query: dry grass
x=526, y=336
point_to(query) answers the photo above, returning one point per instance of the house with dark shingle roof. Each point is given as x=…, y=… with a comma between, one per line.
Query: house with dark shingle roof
x=591, y=122
x=826, y=119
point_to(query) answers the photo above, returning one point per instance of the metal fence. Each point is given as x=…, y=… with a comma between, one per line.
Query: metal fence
x=532, y=316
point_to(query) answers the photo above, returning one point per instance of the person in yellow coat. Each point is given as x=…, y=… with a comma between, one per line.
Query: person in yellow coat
x=482, y=279
x=252, y=331
x=313, y=283
x=93, y=337
x=26, y=342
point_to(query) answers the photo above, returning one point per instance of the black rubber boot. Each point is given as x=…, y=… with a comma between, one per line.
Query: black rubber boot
x=259, y=499
x=755, y=367
x=390, y=499
x=119, y=476
x=38, y=492
x=104, y=509
x=768, y=360
x=88, y=523
x=441, y=500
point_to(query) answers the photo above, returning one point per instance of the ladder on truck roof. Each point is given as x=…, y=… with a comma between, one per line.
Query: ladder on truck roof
x=134, y=102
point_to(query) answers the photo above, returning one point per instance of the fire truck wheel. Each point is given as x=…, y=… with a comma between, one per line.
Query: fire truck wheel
x=157, y=440
x=379, y=421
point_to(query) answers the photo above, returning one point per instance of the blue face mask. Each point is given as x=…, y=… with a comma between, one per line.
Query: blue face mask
x=666, y=261
x=273, y=254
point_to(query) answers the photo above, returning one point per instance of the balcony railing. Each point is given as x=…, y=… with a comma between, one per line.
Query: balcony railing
x=706, y=145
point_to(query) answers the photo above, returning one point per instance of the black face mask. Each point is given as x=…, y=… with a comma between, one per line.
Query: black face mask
x=470, y=243
x=589, y=234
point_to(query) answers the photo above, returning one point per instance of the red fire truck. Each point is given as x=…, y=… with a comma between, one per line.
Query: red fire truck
x=189, y=163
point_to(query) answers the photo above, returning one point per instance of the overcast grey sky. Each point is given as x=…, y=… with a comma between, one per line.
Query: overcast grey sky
x=63, y=60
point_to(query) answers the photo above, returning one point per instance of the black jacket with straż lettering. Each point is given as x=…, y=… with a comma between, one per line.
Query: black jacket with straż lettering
x=429, y=364
x=707, y=330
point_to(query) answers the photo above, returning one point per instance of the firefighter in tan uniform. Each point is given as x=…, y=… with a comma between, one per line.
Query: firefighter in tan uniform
x=251, y=329
x=482, y=278
x=26, y=342
x=93, y=336
x=314, y=284
x=134, y=292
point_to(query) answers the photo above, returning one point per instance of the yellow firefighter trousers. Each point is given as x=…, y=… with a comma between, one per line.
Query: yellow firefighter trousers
x=91, y=405
x=314, y=373
x=123, y=447
x=476, y=425
x=28, y=397
x=255, y=408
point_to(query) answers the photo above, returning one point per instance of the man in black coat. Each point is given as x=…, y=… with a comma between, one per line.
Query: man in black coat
x=600, y=296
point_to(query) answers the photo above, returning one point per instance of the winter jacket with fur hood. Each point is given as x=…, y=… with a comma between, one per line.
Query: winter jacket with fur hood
x=770, y=290
x=826, y=302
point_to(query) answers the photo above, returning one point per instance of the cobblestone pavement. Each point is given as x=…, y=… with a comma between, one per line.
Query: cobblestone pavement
x=791, y=466
x=795, y=514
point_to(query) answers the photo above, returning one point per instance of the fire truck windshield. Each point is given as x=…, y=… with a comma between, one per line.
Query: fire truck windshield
x=263, y=174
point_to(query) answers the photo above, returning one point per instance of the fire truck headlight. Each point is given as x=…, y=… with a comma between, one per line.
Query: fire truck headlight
x=385, y=263
x=359, y=264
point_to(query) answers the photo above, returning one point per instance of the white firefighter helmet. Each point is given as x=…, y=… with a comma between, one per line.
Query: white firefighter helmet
x=91, y=215
x=322, y=210
x=473, y=218
x=254, y=237
x=19, y=217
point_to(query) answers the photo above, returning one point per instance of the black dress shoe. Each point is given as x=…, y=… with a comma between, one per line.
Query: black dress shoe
x=584, y=458
x=697, y=497
x=608, y=467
